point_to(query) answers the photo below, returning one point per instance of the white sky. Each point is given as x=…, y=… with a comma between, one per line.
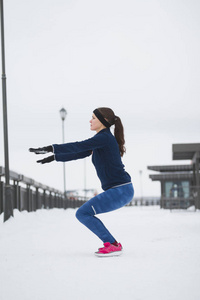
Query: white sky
x=141, y=58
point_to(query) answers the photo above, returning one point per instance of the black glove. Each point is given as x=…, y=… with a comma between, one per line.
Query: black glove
x=42, y=150
x=46, y=160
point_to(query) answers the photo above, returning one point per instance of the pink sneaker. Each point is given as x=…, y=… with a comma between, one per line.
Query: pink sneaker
x=109, y=250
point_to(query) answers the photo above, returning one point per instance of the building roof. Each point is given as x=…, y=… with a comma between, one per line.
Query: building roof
x=185, y=151
x=171, y=168
x=171, y=176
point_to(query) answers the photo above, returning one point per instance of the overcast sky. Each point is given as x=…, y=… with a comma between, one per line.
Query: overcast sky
x=141, y=58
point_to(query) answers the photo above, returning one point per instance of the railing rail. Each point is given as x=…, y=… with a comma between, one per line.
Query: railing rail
x=28, y=181
x=30, y=195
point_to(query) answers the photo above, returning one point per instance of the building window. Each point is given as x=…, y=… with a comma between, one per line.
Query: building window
x=177, y=189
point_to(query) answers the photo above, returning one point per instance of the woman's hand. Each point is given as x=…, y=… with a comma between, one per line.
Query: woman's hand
x=42, y=150
x=46, y=160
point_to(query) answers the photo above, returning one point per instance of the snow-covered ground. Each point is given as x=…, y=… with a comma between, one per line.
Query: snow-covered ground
x=48, y=255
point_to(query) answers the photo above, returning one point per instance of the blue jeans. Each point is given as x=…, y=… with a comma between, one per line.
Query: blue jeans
x=109, y=200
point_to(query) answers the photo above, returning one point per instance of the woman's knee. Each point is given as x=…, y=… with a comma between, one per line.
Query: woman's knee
x=82, y=213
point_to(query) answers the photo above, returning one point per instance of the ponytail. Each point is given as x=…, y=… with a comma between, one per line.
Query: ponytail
x=119, y=135
x=110, y=117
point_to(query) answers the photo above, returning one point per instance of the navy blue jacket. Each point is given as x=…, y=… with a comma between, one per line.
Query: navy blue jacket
x=105, y=157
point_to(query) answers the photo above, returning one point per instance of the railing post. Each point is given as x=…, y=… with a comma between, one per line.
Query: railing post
x=16, y=195
x=53, y=200
x=28, y=199
x=37, y=198
x=33, y=201
x=50, y=200
x=44, y=199
x=1, y=196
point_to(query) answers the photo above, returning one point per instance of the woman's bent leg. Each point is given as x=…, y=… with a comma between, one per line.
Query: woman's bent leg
x=107, y=201
x=85, y=215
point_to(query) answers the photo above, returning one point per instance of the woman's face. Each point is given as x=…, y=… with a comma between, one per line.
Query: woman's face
x=95, y=124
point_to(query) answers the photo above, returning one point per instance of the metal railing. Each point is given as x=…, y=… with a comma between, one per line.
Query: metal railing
x=30, y=195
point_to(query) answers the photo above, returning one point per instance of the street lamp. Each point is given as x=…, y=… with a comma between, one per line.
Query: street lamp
x=8, y=208
x=141, y=189
x=85, y=190
x=63, y=114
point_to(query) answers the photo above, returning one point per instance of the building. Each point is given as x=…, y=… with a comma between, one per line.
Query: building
x=180, y=184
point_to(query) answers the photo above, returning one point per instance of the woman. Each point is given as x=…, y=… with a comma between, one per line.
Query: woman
x=106, y=151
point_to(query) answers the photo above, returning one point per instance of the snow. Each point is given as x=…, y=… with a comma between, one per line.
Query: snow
x=48, y=254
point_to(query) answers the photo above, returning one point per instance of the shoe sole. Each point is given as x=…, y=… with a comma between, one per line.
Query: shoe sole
x=110, y=254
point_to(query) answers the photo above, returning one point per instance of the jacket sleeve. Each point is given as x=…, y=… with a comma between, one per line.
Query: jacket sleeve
x=71, y=156
x=98, y=141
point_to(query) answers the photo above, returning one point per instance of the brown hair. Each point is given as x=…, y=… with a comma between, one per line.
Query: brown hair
x=109, y=115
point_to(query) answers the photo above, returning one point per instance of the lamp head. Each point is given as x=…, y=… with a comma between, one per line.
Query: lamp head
x=63, y=113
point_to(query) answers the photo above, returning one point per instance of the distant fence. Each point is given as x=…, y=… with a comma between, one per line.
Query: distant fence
x=144, y=201
x=29, y=195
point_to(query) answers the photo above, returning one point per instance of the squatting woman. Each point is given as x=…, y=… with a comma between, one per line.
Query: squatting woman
x=106, y=150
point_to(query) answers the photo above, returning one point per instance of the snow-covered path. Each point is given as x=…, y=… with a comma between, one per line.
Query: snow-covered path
x=48, y=254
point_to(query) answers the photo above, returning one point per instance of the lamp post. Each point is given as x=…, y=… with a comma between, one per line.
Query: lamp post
x=85, y=190
x=8, y=209
x=141, y=189
x=63, y=114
